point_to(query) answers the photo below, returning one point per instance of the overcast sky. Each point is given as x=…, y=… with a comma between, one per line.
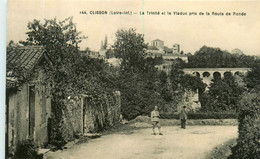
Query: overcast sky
x=191, y=32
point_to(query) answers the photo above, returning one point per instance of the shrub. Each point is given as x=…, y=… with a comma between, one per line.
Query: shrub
x=26, y=149
x=55, y=133
x=248, y=142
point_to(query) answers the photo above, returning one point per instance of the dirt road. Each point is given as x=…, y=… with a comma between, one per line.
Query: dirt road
x=191, y=143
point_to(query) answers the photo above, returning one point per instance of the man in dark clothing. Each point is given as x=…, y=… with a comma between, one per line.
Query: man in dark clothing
x=183, y=117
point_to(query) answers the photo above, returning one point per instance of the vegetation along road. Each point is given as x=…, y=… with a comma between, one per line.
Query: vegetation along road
x=191, y=143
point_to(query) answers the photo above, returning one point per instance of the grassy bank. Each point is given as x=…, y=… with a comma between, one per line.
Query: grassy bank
x=222, y=151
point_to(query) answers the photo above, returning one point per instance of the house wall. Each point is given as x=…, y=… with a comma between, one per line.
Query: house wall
x=18, y=126
x=18, y=117
x=159, y=44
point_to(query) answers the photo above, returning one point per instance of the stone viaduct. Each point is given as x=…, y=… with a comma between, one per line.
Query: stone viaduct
x=207, y=74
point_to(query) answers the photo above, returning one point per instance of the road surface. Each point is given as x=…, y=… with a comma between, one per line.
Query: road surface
x=191, y=143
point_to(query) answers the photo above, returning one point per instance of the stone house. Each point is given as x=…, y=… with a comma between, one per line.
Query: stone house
x=158, y=43
x=28, y=101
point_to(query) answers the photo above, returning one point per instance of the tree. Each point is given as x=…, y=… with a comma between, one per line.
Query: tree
x=209, y=57
x=110, y=54
x=130, y=47
x=60, y=38
x=248, y=145
x=224, y=94
x=253, y=77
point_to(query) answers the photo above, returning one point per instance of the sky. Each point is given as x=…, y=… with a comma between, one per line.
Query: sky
x=191, y=32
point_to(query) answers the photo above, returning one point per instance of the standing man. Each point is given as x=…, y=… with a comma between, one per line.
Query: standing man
x=156, y=120
x=183, y=117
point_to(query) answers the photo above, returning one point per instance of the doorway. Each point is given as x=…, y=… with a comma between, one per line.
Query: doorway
x=31, y=111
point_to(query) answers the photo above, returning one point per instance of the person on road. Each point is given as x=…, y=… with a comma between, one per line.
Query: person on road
x=183, y=117
x=156, y=120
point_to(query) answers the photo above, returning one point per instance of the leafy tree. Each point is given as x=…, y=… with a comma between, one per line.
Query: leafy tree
x=110, y=53
x=248, y=145
x=130, y=47
x=12, y=44
x=138, y=82
x=253, y=77
x=224, y=94
x=60, y=38
x=72, y=73
x=209, y=57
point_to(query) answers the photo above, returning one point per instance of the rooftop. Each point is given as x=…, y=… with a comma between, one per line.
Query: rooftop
x=25, y=57
x=21, y=57
x=157, y=40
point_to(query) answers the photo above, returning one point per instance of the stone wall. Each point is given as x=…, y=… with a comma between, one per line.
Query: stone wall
x=82, y=116
x=72, y=117
x=191, y=100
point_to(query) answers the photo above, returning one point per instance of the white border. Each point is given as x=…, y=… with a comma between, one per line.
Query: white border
x=2, y=75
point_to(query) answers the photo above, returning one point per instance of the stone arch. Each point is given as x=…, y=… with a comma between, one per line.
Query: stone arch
x=227, y=74
x=216, y=75
x=206, y=74
x=197, y=74
x=237, y=73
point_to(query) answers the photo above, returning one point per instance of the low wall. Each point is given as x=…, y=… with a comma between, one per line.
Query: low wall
x=83, y=115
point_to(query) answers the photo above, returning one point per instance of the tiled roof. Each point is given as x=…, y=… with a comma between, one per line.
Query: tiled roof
x=22, y=57
x=25, y=57
x=157, y=40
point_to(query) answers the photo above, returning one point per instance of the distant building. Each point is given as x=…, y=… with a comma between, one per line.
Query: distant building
x=156, y=47
x=158, y=43
x=176, y=48
x=171, y=57
x=166, y=66
x=91, y=54
x=102, y=52
x=103, y=48
x=115, y=62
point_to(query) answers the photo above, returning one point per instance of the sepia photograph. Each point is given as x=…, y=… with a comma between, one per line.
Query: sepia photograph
x=135, y=79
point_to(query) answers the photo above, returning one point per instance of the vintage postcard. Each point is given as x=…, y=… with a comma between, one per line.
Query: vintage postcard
x=110, y=79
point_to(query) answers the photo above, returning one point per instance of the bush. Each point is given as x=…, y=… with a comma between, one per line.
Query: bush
x=55, y=133
x=202, y=116
x=248, y=142
x=26, y=149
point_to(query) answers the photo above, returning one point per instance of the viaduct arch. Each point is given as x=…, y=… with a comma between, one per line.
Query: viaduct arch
x=207, y=74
